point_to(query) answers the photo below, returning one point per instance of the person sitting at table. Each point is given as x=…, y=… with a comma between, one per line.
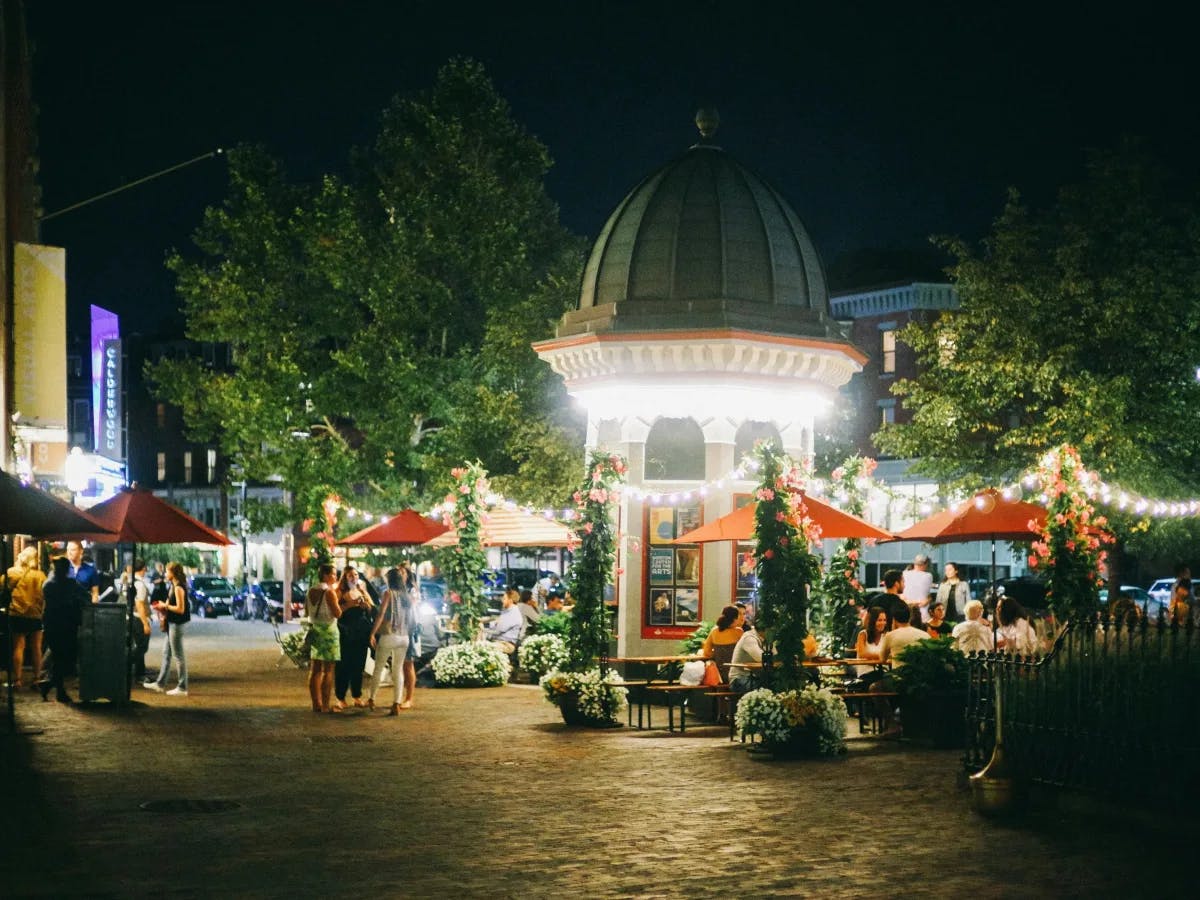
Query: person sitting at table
x=529, y=608
x=506, y=631
x=866, y=644
x=937, y=626
x=723, y=639
x=554, y=605
x=1015, y=634
x=748, y=649
x=901, y=636
x=975, y=634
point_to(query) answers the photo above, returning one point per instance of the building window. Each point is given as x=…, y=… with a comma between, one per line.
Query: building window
x=675, y=451
x=75, y=366
x=187, y=467
x=887, y=361
x=211, y=459
x=162, y=467
x=887, y=412
x=160, y=413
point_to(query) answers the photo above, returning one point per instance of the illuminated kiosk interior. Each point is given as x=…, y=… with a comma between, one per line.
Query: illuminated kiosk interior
x=703, y=324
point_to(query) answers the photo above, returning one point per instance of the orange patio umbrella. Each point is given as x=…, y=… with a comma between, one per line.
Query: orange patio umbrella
x=405, y=529
x=739, y=525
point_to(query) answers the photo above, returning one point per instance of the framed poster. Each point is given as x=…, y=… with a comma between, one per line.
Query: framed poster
x=662, y=607
x=687, y=565
x=687, y=518
x=662, y=566
x=662, y=524
x=687, y=605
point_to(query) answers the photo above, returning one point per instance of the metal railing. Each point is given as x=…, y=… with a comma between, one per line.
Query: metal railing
x=1112, y=707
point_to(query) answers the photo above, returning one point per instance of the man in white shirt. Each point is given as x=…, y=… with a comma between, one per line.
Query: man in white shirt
x=901, y=636
x=918, y=583
x=748, y=649
x=506, y=631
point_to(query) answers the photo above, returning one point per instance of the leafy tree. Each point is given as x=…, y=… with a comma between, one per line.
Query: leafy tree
x=1079, y=323
x=380, y=321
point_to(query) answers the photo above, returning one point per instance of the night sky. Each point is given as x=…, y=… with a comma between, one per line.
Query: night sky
x=882, y=125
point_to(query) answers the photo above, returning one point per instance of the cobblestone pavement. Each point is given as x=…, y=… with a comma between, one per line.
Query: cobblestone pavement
x=486, y=793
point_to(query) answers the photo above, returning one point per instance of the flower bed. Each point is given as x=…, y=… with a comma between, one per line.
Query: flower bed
x=806, y=722
x=477, y=664
x=540, y=653
x=584, y=698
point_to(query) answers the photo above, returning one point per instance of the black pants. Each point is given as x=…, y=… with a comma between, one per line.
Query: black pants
x=141, y=643
x=62, y=650
x=354, y=632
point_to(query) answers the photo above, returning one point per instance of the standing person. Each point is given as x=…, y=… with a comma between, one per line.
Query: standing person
x=83, y=571
x=953, y=593
x=141, y=626
x=25, y=608
x=918, y=583
x=178, y=615
x=354, y=632
x=323, y=610
x=64, y=599
x=390, y=638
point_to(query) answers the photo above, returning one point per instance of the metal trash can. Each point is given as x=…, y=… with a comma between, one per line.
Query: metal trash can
x=104, y=652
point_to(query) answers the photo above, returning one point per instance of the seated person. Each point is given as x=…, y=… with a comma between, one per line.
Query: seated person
x=506, y=631
x=529, y=608
x=937, y=626
x=1124, y=611
x=901, y=635
x=554, y=605
x=975, y=634
x=1179, y=609
x=721, y=641
x=1015, y=634
x=748, y=649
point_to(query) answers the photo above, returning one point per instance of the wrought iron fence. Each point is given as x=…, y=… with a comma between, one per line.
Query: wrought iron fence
x=1112, y=707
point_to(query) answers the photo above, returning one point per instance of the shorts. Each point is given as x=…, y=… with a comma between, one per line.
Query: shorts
x=24, y=625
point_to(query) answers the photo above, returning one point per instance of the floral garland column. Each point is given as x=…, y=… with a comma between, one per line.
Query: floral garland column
x=595, y=560
x=465, y=512
x=1071, y=550
x=838, y=600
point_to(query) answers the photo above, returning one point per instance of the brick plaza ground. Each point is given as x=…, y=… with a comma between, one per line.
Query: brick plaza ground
x=486, y=793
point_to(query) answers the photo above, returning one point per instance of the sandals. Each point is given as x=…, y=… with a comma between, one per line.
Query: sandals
x=395, y=710
x=358, y=703
x=407, y=704
x=370, y=704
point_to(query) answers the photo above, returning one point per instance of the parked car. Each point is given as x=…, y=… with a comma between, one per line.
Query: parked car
x=1161, y=590
x=1151, y=606
x=273, y=599
x=212, y=595
x=1028, y=590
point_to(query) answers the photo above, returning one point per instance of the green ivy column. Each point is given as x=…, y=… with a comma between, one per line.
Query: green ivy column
x=466, y=561
x=840, y=596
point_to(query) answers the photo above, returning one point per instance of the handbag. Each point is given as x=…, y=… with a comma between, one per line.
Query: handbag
x=712, y=675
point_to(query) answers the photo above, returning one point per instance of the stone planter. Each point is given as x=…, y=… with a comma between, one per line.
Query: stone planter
x=569, y=707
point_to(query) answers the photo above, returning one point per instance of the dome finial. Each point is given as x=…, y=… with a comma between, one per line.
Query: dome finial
x=707, y=120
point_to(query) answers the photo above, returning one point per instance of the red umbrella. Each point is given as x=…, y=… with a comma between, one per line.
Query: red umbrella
x=986, y=516
x=739, y=525
x=405, y=529
x=136, y=516
x=27, y=510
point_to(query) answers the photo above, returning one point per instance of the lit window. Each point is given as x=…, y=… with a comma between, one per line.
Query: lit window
x=887, y=412
x=187, y=467
x=212, y=465
x=160, y=412
x=887, y=363
x=162, y=467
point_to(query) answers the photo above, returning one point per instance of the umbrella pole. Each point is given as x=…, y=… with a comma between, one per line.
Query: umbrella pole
x=995, y=596
x=8, y=640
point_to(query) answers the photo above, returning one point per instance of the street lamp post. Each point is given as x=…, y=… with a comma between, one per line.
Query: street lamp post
x=244, y=529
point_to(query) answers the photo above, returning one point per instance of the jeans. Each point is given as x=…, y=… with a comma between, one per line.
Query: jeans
x=395, y=646
x=174, y=650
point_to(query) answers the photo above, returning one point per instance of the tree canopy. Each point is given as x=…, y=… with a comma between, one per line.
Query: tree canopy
x=1079, y=323
x=380, y=319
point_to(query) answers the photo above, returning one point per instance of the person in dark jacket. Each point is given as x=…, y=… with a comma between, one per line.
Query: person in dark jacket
x=65, y=598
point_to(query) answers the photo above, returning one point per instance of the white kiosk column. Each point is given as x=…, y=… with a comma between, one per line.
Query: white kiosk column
x=630, y=434
x=717, y=579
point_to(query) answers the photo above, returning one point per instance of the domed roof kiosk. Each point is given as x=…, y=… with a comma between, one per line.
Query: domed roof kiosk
x=703, y=324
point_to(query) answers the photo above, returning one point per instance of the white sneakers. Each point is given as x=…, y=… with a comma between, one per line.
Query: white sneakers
x=174, y=692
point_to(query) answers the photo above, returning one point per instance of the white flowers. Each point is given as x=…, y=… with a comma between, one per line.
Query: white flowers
x=540, y=653
x=477, y=664
x=813, y=715
x=594, y=698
